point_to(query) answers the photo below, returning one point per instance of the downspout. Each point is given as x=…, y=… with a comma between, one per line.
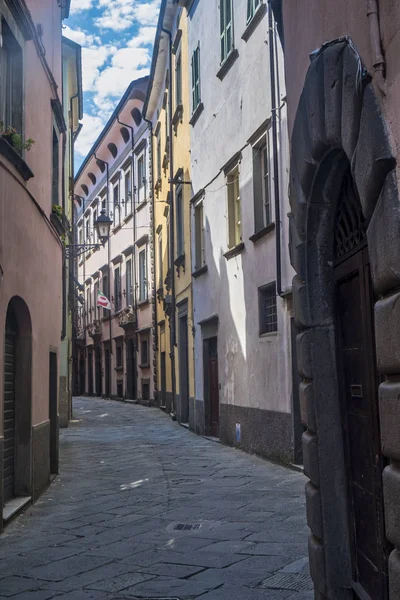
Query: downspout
x=171, y=227
x=134, y=288
x=376, y=45
x=153, y=233
x=274, y=109
x=71, y=241
x=109, y=269
x=64, y=262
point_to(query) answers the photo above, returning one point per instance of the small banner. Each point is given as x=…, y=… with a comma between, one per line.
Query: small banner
x=103, y=301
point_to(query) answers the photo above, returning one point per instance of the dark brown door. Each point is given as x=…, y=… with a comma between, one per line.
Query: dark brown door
x=211, y=385
x=53, y=413
x=98, y=373
x=163, y=380
x=90, y=373
x=9, y=406
x=361, y=424
x=183, y=369
x=131, y=371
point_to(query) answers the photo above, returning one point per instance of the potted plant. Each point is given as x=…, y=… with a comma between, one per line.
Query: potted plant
x=11, y=135
x=56, y=218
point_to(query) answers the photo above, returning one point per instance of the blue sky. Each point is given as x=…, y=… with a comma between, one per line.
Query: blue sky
x=116, y=38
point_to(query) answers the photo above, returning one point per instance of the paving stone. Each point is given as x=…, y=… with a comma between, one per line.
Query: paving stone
x=288, y=581
x=105, y=529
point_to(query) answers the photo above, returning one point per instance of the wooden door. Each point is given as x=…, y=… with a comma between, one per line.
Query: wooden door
x=183, y=369
x=131, y=372
x=163, y=380
x=361, y=425
x=9, y=406
x=211, y=385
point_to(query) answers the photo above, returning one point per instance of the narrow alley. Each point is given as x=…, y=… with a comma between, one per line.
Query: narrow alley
x=143, y=508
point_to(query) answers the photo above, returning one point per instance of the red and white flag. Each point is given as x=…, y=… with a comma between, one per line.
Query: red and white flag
x=103, y=301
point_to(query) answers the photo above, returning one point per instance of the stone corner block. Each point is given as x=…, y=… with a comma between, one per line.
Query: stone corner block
x=313, y=509
x=310, y=457
x=387, y=334
x=307, y=408
x=317, y=563
x=391, y=497
x=394, y=575
x=389, y=415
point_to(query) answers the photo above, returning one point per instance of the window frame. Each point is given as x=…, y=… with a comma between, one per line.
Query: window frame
x=196, y=87
x=106, y=292
x=159, y=158
x=262, y=292
x=262, y=192
x=127, y=191
x=180, y=223
x=144, y=356
x=117, y=289
x=143, y=292
x=234, y=208
x=225, y=28
x=178, y=78
x=199, y=246
x=128, y=282
x=116, y=205
x=13, y=46
x=252, y=6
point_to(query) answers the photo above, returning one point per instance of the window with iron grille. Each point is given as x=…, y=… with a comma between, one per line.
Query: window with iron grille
x=267, y=309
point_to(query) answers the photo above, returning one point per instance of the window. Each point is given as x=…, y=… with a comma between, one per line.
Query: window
x=106, y=292
x=261, y=185
x=128, y=283
x=94, y=217
x=160, y=264
x=117, y=215
x=159, y=163
x=178, y=79
x=88, y=303
x=196, y=97
x=142, y=276
x=267, y=309
x=80, y=235
x=128, y=193
x=226, y=28
x=199, y=237
x=11, y=77
x=96, y=310
x=87, y=229
x=234, y=217
x=180, y=232
x=252, y=6
x=141, y=178
x=117, y=289
x=144, y=352
x=56, y=170
x=118, y=358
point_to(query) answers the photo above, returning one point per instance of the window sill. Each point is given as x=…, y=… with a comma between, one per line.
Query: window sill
x=145, y=366
x=228, y=62
x=141, y=205
x=117, y=228
x=196, y=114
x=128, y=217
x=238, y=249
x=178, y=114
x=268, y=334
x=121, y=368
x=262, y=233
x=15, y=159
x=200, y=271
x=143, y=303
x=254, y=21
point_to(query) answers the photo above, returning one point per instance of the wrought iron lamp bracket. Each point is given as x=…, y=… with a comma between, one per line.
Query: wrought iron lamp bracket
x=75, y=250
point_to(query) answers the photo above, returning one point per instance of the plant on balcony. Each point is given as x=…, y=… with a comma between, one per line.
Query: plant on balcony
x=12, y=136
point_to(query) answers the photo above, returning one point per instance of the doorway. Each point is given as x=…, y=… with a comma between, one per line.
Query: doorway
x=359, y=397
x=183, y=369
x=163, y=380
x=107, y=372
x=211, y=385
x=98, y=372
x=53, y=413
x=90, y=372
x=9, y=405
x=131, y=372
x=82, y=374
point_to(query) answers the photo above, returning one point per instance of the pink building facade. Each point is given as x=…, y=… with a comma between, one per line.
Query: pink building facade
x=114, y=348
x=31, y=249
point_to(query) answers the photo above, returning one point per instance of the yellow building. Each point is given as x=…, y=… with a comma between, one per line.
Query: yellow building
x=168, y=108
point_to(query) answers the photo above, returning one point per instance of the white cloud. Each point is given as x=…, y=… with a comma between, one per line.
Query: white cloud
x=80, y=5
x=92, y=127
x=77, y=35
x=121, y=14
x=145, y=37
x=147, y=13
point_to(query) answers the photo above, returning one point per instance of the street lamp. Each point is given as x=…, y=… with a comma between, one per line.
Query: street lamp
x=103, y=225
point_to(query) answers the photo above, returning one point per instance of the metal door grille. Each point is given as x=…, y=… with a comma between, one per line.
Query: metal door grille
x=9, y=416
x=350, y=228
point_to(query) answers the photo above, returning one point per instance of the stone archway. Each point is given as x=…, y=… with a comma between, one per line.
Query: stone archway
x=17, y=401
x=339, y=123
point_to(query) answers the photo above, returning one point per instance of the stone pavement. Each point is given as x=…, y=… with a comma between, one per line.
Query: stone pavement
x=143, y=508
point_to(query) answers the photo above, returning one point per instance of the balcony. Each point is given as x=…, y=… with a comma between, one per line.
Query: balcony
x=127, y=318
x=94, y=330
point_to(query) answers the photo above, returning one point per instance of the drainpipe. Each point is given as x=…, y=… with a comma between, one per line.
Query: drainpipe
x=153, y=232
x=109, y=268
x=71, y=240
x=171, y=228
x=75, y=267
x=274, y=109
x=376, y=44
x=134, y=233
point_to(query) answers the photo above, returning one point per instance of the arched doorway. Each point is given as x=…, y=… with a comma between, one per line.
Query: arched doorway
x=358, y=390
x=17, y=401
x=345, y=248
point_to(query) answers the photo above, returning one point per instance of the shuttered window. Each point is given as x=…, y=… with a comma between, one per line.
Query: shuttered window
x=196, y=95
x=226, y=28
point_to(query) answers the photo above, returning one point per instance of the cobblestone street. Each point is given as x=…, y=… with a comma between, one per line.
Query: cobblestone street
x=143, y=508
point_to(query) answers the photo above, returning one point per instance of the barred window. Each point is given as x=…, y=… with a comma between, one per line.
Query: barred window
x=267, y=309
